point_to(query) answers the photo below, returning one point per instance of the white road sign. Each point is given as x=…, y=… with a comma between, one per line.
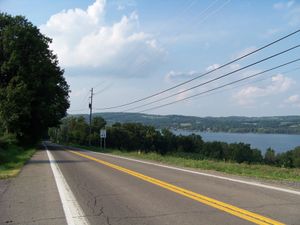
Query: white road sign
x=103, y=133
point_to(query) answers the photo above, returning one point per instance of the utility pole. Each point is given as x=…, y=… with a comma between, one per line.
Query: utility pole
x=91, y=112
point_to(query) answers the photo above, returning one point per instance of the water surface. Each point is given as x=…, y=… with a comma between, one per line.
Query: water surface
x=279, y=142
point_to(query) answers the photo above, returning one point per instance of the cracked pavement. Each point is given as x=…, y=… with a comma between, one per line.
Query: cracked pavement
x=32, y=197
x=110, y=197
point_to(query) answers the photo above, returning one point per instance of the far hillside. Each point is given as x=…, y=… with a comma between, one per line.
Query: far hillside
x=233, y=124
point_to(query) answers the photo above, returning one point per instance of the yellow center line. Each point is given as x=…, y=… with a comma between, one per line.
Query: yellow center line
x=241, y=213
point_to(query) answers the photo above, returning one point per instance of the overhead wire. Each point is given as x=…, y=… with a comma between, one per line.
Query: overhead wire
x=216, y=92
x=86, y=97
x=212, y=13
x=162, y=26
x=99, y=84
x=103, y=89
x=201, y=74
x=215, y=79
x=251, y=82
x=83, y=101
x=219, y=87
x=186, y=9
x=203, y=12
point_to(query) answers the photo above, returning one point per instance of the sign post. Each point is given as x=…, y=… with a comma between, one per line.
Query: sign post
x=103, y=137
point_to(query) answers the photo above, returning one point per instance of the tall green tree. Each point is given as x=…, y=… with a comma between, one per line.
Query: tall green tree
x=270, y=156
x=33, y=92
x=296, y=157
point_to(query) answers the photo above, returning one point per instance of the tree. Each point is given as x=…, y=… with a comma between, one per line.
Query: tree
x=168, y=141
x=242, y=152
x=285, y=159
x=296, y=157
x=214, y=150
x=270, y=156
x=34, y=94
x=97, y=124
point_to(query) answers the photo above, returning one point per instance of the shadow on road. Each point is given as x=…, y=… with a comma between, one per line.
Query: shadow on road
x=57, y=161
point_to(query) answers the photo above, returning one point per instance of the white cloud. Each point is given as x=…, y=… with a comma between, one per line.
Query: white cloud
x=292, y=10
x=293, y=100
x=294, y=16
x=183, y=76
x=283, y=5
x=234, y=66
x=174, y=76
x=82, y=39
x=78, y=93
x=212, y=67
x=227, y=69
x=183, y=95
x=248, y=95
x=120, y=7
x=270, y=32
x=245, y=51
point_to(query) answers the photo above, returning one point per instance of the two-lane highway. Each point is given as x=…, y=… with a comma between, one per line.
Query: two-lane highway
x=111, y=190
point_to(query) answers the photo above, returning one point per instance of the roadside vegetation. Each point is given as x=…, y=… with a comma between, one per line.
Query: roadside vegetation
x=258, y=171
x=145, y=142
x=33, y=92
x=12, y=157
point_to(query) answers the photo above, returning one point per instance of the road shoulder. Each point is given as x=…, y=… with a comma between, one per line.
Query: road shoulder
x=32, y=197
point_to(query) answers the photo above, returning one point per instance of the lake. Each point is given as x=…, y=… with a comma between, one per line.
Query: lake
x=279, y=142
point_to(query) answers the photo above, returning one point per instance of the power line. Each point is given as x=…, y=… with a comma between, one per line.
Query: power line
x=103, y=89
x=84, y=99
x=217, y=78
x=212, y=13
x=219, y=87
x=195, y=23
x=221, y=91
x=203, y=74
x=180, y=14
x=100, y=84
x=89, y=97
x=212, y=80
x=255, y=81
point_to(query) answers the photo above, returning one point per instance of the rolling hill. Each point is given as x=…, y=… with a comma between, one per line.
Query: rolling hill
x=234, y=124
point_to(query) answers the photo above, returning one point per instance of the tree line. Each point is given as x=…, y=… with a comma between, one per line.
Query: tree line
x=232, y=124
x=145, y=138
x=34, y=94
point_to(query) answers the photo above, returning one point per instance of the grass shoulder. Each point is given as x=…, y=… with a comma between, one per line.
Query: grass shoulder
x=12, y=160
x=248, y=170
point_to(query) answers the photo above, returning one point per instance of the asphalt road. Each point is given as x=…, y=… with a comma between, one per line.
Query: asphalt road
x=112, y=191
x=31, y=197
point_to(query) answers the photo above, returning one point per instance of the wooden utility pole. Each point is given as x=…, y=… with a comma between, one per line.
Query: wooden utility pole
x=91, y=112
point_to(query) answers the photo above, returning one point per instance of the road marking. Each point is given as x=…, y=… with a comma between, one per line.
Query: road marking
x=73, y=212
x=241, y=213
x=257, y=184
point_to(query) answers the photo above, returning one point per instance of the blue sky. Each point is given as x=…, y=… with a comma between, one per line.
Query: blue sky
x=133, y=48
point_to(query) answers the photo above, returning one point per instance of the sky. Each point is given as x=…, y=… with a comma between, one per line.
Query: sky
x=129, y=49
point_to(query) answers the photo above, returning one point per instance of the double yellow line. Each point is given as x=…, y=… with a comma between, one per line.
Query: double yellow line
x=241, y=213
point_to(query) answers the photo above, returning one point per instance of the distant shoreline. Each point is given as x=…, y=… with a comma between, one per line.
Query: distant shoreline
x=230, y=124
x=229, y=132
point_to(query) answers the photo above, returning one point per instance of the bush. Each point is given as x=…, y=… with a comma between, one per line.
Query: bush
x=6, y=140
x=296, y=157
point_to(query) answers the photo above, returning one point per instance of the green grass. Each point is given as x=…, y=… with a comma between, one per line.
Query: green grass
x=256, y=171
x=12, y=160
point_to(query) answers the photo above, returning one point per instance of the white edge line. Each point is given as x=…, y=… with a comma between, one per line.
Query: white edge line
x=204, y=174
x=73, y=212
